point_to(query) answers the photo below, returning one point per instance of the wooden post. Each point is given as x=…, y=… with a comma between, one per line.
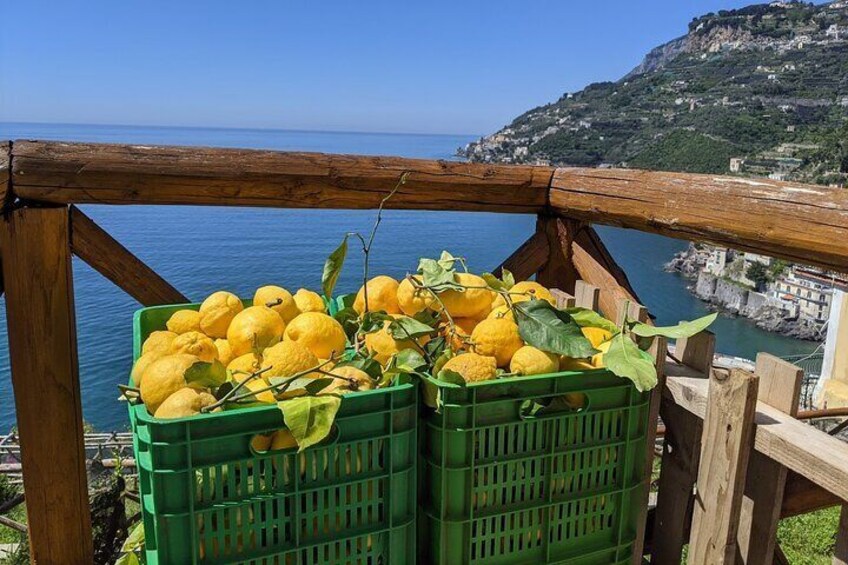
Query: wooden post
x=43, y=355
x=558, y=271
x=840, y=551
x=563, y=299
x=779, y=387
x=658, y=352
x=697, y=351
x=678, y=474
x=586, y=295
x=725, y=449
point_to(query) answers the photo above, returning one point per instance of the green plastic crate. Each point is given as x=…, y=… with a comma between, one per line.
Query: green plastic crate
x=208, y=497
x=499, y=486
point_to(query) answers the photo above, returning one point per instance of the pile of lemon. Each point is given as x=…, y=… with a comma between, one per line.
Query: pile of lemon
x=478, y=323
x=279, y=335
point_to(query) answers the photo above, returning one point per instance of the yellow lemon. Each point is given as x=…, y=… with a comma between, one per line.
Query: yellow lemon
x=167, y=375
x=382, y=345
x=257, y=384
x=532, y=361
x=287, y=358
x=413, y=300
x=244, y=365
x=525, y=290
x=261, y=442
x=472, y=367
x=598, y=359
x=225, y=354
x=217, y=311
x=308, y=301
x=498, y=338
x=463, y=327
x=573, y=364
x=502, y=311
x=158, y=341
x=382, y=295
x=596, y=336
x=351, y=380
x=575, y=400
x=141, y=364
x=195, y=343
x=318, y=332
x=183, y=321
x=472, y=302
x=277, y=299
x=184, y=403
x=282, y=439
x=254, y=329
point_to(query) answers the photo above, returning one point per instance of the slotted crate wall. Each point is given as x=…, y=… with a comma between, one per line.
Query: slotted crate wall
x=208, y=497
x=503, y=487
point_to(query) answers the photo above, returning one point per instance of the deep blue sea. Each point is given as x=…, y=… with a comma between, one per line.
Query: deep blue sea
x=203, y=249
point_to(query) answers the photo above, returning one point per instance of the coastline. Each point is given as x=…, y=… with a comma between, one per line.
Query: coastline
x=732, y=298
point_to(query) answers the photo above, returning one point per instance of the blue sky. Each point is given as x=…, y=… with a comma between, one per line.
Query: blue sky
x=426, y=66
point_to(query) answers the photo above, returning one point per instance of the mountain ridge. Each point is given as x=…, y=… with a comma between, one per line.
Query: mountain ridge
x=761, y=90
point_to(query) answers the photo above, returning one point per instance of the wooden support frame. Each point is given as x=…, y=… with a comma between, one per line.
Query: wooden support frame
x=559, y=270
x=43, y=353
x=779, y=387
x=96, y=247
x=725, y=448
x=527, y=259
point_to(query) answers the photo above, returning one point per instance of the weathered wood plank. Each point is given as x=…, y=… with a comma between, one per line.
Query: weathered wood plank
x=140, y=174
x=801, y=496
x=96, y=247
x=696, y=351
x=45, y=378
x=586, y=295
x=658, y=351
x=563, y=299
x=802, y=223
x=779, y=387
x=725, y=448
x=5, y=185
x=822, y=458
x=840, y=550
x=559, y=271
x=678, y=473
x=527, y=259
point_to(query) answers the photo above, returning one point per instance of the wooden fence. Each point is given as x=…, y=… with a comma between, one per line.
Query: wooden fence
x=718, y=430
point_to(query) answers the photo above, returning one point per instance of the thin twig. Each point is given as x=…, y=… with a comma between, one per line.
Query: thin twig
x=235, y=389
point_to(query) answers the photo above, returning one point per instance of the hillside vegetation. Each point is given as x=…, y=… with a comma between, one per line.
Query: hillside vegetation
x=767, y=84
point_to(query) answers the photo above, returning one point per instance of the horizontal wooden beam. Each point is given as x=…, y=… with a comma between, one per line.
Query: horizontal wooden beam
x=802, y=223
x=108, y=257
x=822, y=458
x=69, y=173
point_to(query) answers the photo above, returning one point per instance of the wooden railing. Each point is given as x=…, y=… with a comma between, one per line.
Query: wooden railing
x=40, y=182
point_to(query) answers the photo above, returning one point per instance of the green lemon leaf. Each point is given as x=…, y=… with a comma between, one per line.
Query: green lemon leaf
x=494, y=282
x=433, y=274
x=626, y=360
x=451, y=377
x=317, y=385
x=507, y=278
x=543, y=326
x=409, y=328
x=206, y=375
x=409, y=361
x=683, y=329
x=349, y=319
x=128, y=559
x=448, y=261
x=310, y=418
x=333, y=268
x=435, y=347
x=590, y=319
x=135, y=539
x=428, y=317
x=372, y=321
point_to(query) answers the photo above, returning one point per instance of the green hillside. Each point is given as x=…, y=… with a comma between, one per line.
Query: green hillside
x=767, y=84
